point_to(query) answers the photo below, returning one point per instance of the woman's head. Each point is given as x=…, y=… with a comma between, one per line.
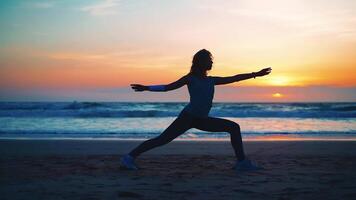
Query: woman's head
x=202, y=62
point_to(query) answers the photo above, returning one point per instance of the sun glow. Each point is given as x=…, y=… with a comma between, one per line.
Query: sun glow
x=280, y=81
x=277, y=95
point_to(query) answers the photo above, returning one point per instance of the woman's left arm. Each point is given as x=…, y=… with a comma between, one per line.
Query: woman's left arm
x=240, y=77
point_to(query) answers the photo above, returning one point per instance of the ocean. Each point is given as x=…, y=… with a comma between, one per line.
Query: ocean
x=123, y=120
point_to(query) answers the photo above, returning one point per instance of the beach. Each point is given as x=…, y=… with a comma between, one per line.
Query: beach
x=85, y=82
x=89, y=169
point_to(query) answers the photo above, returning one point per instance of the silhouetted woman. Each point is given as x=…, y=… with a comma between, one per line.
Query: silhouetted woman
x=195, y=114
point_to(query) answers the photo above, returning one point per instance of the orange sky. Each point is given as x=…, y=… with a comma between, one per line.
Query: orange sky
x=111, y=44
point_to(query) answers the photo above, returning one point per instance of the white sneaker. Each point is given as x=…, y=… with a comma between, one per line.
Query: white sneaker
x=128, y=162
x=246, y=165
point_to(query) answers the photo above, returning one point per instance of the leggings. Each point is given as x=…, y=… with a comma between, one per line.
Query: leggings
x=186, y=121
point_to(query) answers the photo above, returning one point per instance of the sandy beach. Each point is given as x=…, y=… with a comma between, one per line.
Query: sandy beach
x=89, y=169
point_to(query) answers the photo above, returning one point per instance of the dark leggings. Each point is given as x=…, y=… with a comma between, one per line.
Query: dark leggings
x=184, y=122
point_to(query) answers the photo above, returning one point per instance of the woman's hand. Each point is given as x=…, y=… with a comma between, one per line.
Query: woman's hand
x=138, y=87
x=264, y=71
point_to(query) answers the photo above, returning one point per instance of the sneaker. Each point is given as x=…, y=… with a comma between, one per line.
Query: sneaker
x=246, y=165
x=127, y=162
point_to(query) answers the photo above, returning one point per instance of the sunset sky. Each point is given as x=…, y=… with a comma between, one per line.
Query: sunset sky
x=93, y=50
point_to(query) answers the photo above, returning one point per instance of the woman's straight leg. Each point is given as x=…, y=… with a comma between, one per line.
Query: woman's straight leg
x=213, y=124
x=179, y=126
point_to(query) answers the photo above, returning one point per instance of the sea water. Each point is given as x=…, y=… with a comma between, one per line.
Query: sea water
x=132, y=120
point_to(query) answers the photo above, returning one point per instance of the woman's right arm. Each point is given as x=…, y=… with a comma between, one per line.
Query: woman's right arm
x=161, y=88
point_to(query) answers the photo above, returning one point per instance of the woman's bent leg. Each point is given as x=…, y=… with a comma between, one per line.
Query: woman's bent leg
x=180, y=125
x=213, y=124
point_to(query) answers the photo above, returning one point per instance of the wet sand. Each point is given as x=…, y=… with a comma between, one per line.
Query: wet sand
x=89, y=169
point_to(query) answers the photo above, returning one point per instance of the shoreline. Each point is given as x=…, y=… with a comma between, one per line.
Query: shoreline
x=44, y=147
x=272, y=138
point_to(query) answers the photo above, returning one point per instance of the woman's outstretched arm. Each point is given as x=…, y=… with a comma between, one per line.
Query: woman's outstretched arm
x=161, y=88
x=240, y=77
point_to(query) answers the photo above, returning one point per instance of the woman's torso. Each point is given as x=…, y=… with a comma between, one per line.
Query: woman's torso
x=201, y=91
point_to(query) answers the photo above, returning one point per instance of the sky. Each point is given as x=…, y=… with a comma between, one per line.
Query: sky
x=92, y=50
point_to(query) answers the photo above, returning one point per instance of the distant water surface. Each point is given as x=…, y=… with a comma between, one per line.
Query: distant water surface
x=119, y=120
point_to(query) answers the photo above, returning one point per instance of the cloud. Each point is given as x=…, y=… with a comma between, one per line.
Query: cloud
x=302, y=18
x=76, y=56
x=334, y=22
x=138, y=58
x=42, y=5
x=106, y=7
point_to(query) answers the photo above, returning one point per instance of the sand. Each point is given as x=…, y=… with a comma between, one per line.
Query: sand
x=89, y=169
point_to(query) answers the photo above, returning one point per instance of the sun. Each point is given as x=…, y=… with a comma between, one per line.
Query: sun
x=277, y=95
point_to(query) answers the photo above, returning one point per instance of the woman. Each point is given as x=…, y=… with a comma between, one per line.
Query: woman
x=195, y=114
